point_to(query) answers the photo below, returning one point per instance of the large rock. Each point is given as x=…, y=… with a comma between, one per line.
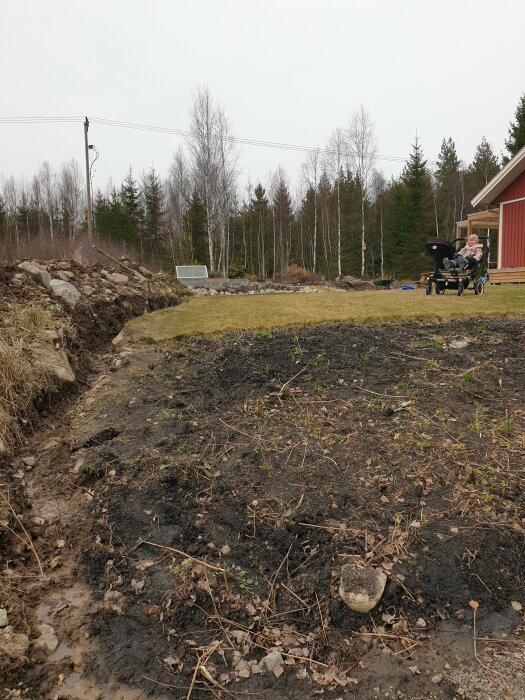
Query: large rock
x=39, y=273
x=115, y=277
x=54, y=361
x=361, y=589
x=65, y=291
x=12, y=644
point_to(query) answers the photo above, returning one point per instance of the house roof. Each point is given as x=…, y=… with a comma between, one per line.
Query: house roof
x=501, y=180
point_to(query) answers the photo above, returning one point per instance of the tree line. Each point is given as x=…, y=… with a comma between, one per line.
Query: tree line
x=343, y=218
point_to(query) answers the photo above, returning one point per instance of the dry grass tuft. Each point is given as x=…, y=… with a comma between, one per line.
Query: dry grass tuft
x=20, y=381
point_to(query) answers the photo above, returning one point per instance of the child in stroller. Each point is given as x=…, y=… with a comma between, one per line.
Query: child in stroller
x=471, y=253
x=457, y=269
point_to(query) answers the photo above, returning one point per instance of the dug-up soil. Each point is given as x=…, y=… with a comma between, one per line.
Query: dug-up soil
x=191, y=512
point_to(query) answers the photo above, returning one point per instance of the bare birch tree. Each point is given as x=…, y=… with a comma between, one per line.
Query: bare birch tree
x=213, y=155
x=178, y=192
x=71, y=198
x=312, y=175
x=336, y=155
x=362, y=144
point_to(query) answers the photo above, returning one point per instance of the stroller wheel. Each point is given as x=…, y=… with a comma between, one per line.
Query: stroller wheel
x=460, y=289
x=428, y=288
x=440, y=288
x=479, y=287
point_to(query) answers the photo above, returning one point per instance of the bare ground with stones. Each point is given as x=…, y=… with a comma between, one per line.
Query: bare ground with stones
x=193, y=508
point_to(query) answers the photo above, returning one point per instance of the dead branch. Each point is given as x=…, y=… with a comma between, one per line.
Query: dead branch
x=294, y=377
x=136, y=274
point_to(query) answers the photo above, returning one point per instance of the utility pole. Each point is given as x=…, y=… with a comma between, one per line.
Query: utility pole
x=88, y=180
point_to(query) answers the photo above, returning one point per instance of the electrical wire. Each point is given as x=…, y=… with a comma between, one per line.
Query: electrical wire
x=185, y=133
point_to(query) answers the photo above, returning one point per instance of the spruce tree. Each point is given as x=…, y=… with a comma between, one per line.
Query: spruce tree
x=516, y=139
x=449, y=193
x=132, y=211
x=260, y=220
x=282, y=215
x=482, y=169
x=413, y=214
x=153, y=212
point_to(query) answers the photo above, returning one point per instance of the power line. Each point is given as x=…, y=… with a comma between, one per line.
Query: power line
x=185, y=133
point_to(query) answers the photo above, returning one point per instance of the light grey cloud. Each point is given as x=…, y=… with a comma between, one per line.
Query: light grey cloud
x=284, y=71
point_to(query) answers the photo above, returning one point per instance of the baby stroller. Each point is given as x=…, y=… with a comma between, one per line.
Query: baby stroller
x=476, y=273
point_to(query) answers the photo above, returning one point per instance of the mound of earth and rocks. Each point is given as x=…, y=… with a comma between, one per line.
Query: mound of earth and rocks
x=233, y=287
x=331, y=511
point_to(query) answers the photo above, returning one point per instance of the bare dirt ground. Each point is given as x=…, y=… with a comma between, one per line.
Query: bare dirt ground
x=194, y=508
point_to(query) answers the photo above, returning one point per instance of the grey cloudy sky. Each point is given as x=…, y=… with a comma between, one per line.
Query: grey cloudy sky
x=288, y=71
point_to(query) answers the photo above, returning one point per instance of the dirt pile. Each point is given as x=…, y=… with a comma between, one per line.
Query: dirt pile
x=53, y=315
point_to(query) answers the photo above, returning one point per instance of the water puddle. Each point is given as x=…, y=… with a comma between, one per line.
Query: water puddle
x=63, y=651
x=74, y=687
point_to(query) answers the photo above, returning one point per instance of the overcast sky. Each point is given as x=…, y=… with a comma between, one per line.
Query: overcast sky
x=287, y=71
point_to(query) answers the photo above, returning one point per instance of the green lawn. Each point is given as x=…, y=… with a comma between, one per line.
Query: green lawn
x=218, y=314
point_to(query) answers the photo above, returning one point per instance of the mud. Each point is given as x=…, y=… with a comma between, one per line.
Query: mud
x=277, y=457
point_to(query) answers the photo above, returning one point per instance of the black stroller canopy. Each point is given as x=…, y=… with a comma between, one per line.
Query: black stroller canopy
x=438, y=248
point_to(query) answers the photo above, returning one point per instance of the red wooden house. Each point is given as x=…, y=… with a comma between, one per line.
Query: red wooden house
x=507, y=190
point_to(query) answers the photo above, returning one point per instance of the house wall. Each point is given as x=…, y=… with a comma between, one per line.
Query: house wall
x=513, y=235
x=515, y=190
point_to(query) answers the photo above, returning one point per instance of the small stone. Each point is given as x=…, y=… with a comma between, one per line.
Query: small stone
x=361, y=589
x=271, y=661
x=37, y=520
x=517, y=607
x=225, y=550
x=437, y=678
x=3, y=617
x=61, y=543
x=48, y=640
x=421, y=623
x=29, y=461
x=88, y=291
x=278, y=671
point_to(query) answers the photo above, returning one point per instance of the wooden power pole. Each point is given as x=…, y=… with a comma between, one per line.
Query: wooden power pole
x=88, y=181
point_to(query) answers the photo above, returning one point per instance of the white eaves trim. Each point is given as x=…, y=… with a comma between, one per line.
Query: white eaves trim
x=501, y=180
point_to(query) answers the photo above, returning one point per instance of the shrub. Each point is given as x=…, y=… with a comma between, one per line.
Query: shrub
x=297, y=275
x=236, y=271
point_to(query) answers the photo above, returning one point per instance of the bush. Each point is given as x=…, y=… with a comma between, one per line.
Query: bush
x=236, y=271
x=298, y=275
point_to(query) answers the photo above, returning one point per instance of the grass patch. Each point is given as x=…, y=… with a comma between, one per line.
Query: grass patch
x=219, y=314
